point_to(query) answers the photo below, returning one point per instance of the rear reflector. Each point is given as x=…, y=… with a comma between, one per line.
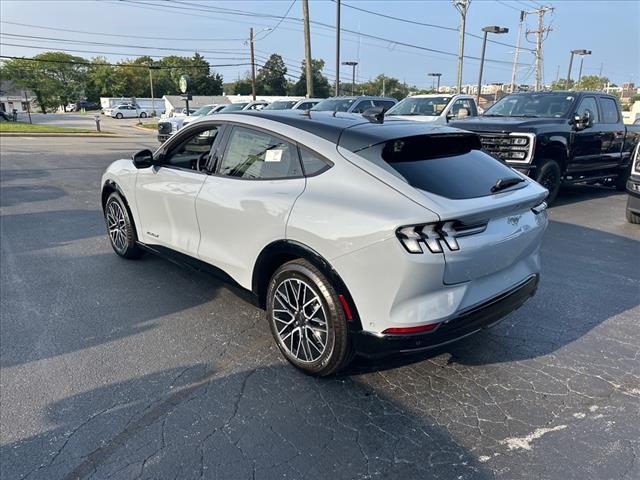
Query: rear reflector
x=345, y=306
x=418, y=329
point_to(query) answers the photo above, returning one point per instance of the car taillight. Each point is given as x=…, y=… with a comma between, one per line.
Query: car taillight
x=435, y=235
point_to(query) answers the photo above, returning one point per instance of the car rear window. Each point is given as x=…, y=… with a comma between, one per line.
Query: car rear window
x=452, y=166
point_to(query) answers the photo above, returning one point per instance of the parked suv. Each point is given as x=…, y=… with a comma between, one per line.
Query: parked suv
x=559, y=137
x=633, y=189
x=435, y=108
x=354, y=104
x=355, y=236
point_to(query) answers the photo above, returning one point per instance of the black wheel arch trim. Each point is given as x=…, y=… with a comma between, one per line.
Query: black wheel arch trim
x=264, y=266
x=109, y=187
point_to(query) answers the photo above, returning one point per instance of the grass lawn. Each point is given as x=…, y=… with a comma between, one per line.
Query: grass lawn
x=21, y=127
x=150, y=126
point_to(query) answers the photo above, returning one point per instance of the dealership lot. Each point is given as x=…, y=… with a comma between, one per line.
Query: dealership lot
x=147, y=370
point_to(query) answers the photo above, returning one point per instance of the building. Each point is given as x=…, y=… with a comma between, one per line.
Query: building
x=13, y=97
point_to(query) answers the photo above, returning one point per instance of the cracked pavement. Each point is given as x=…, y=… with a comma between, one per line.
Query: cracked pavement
x=114, y=369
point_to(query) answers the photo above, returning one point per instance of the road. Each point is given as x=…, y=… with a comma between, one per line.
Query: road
x=78, y=120
x=143, y=369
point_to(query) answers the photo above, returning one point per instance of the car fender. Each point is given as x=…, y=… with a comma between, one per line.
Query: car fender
x=121, y=177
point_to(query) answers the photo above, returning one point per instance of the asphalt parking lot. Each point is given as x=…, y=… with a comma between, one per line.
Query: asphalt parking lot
x=142, y=369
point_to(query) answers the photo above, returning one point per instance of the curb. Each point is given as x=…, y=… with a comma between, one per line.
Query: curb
x=36, y=134
x=147, y=130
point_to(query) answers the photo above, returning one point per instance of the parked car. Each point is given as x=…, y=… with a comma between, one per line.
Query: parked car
x=559, y=137
x=244, y=106
x=107, y=111
x=170, y=125
x=360, y=237
x=306, y=103
x=76, y=107
x=353, y=104
x=128, y=111
x=5, y=117
x=281, y=105
x=633, y=189
x=435, y=108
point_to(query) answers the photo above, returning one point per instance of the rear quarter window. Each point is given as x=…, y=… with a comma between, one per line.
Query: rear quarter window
x=452, y=166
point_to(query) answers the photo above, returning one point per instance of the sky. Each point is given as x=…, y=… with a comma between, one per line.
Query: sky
x=606, y=27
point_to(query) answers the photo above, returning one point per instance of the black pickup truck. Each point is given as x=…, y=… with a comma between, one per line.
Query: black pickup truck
x=559, y=137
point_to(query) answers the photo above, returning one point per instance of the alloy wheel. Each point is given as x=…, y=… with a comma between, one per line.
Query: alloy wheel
x=300, y=320
x=116, y=223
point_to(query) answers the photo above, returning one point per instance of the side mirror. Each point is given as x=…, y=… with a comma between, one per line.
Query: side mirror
x=143, y=158
x=584, y=121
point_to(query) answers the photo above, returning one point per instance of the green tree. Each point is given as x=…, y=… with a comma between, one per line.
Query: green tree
x=55, y=78
x=390, y=86
x=241, y=87
x=321, y=86
x=271, y=78
x=592, y=82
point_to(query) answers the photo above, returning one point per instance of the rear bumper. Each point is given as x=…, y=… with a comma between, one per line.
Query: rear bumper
x=464, y=323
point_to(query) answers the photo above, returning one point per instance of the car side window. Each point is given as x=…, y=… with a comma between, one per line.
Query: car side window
x=589, y=103
x=252, y=154
x=462, y=107
x=362, y=106
x=609, y=110
x=385, y=104
x=312, y=163
x=193, y=151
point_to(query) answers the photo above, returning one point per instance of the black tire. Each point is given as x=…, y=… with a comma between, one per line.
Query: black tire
x=631, y=216
x=550, y=177
x=337, y=350
x=620, y=183
x=120, y=228
x=119, y=116
x=143, y=115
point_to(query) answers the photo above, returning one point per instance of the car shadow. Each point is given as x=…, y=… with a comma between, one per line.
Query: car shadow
x=570, y=194
x=266, y=422
x=588, y=277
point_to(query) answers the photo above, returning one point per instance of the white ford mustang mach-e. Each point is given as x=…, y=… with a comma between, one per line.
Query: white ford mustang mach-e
x=356, y=235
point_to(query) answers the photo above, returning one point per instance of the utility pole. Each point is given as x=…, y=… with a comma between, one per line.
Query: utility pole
x=153, y=100
x=523, y=14
x=253, y=65
x=26, y=99
x=462, y=6
x=337, y=48
x=307, y=47
x=541, y=30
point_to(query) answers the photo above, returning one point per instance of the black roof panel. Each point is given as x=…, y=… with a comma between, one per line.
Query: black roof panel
x=349, y=130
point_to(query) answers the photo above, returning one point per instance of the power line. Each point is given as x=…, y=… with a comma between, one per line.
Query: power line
x=279, y=22
x=98, y=52
x=123, y=35
x=106, y=44
x=127, y=65
x=423, y=24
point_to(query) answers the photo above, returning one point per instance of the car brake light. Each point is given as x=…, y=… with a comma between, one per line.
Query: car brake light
x=436, y=235
x=407, y=330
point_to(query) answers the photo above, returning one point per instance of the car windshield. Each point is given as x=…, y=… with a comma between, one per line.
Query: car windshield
x=202, y=111
x=532, y=105
x=234, y=107
x=334, y=105
x=432, y=106
x=281, y=105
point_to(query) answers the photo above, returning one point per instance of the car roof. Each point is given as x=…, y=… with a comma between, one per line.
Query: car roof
x=351, y=131
x=433, y=95
x=360, y=97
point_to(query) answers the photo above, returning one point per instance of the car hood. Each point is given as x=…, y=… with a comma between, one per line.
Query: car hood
x=503, y=124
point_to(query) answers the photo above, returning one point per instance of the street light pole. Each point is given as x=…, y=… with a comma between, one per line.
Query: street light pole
x=486, y=30
x=253, y=65
x=153, y=100
x=580, y=52
x=352, y=64
x=436, y=75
